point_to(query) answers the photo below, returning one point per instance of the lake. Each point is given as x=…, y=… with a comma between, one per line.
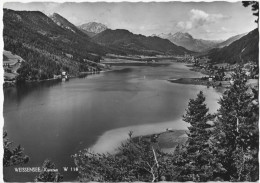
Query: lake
x=55, y=119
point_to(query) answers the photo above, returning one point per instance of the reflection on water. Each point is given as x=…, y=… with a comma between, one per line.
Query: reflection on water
x=56, y=119
x=18, y=93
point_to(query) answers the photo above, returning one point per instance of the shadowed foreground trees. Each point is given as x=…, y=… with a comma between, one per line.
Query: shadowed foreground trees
x=135, y=160
x=236, y=136
x=254, y=6
x=13, y=156
x=194, y=161
x=48, y=173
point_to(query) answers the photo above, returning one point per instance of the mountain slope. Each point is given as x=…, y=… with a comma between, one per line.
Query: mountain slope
x=132, y=43
x=46, y=46
x=64, y=23
x=187, y=41
x=90, y=34
x=242, y=50
x=230, y=40
x=92, y=28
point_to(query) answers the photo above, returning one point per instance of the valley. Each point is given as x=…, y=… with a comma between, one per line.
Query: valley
x=131, y=92
x=52, y=45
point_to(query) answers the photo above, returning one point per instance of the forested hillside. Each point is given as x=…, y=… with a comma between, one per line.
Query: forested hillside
x=230, y=40
x=138, y=44
x=241, y=51
x=46, y=47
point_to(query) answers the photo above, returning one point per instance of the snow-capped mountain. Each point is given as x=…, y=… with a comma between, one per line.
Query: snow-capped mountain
x=92, y=28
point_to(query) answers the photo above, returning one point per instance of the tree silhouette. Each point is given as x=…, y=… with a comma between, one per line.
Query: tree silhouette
x=48, y=173
x=194, y=161
x=255, y=7
x=13, y=156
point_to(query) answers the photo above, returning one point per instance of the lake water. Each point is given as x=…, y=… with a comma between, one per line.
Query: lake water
x=57, y=119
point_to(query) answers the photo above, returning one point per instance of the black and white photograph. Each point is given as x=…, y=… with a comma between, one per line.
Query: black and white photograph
x=130, y=91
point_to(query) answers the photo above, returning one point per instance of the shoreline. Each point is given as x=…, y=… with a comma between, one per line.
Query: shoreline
x=8, y=84
x=202, y=82
x=199, y=81
x=167, y=140
x=111, y=140
x=192, y=81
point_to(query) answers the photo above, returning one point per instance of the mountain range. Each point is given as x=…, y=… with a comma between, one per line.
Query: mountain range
x=133, y=43
x=198, y=45
x=52, y=44
x=121, y=39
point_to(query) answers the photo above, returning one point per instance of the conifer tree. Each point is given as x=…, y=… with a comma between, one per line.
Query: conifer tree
x=254, y=6
x=194, y=162
x=236, y=134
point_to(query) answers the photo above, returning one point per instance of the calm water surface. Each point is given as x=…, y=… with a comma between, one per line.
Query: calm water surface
x=56, y=119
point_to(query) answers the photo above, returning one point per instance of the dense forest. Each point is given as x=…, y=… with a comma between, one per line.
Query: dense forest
x=46, y=47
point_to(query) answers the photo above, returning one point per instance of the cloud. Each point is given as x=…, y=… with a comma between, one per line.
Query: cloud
x=199, y=18
x=225, y=30
x=184, y=25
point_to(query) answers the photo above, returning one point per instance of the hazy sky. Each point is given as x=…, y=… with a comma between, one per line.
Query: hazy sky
x=205, y=20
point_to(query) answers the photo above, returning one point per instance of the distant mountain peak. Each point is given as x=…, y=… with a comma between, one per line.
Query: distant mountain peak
x=182, y=35
x=187, y=41
x=93, y=27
